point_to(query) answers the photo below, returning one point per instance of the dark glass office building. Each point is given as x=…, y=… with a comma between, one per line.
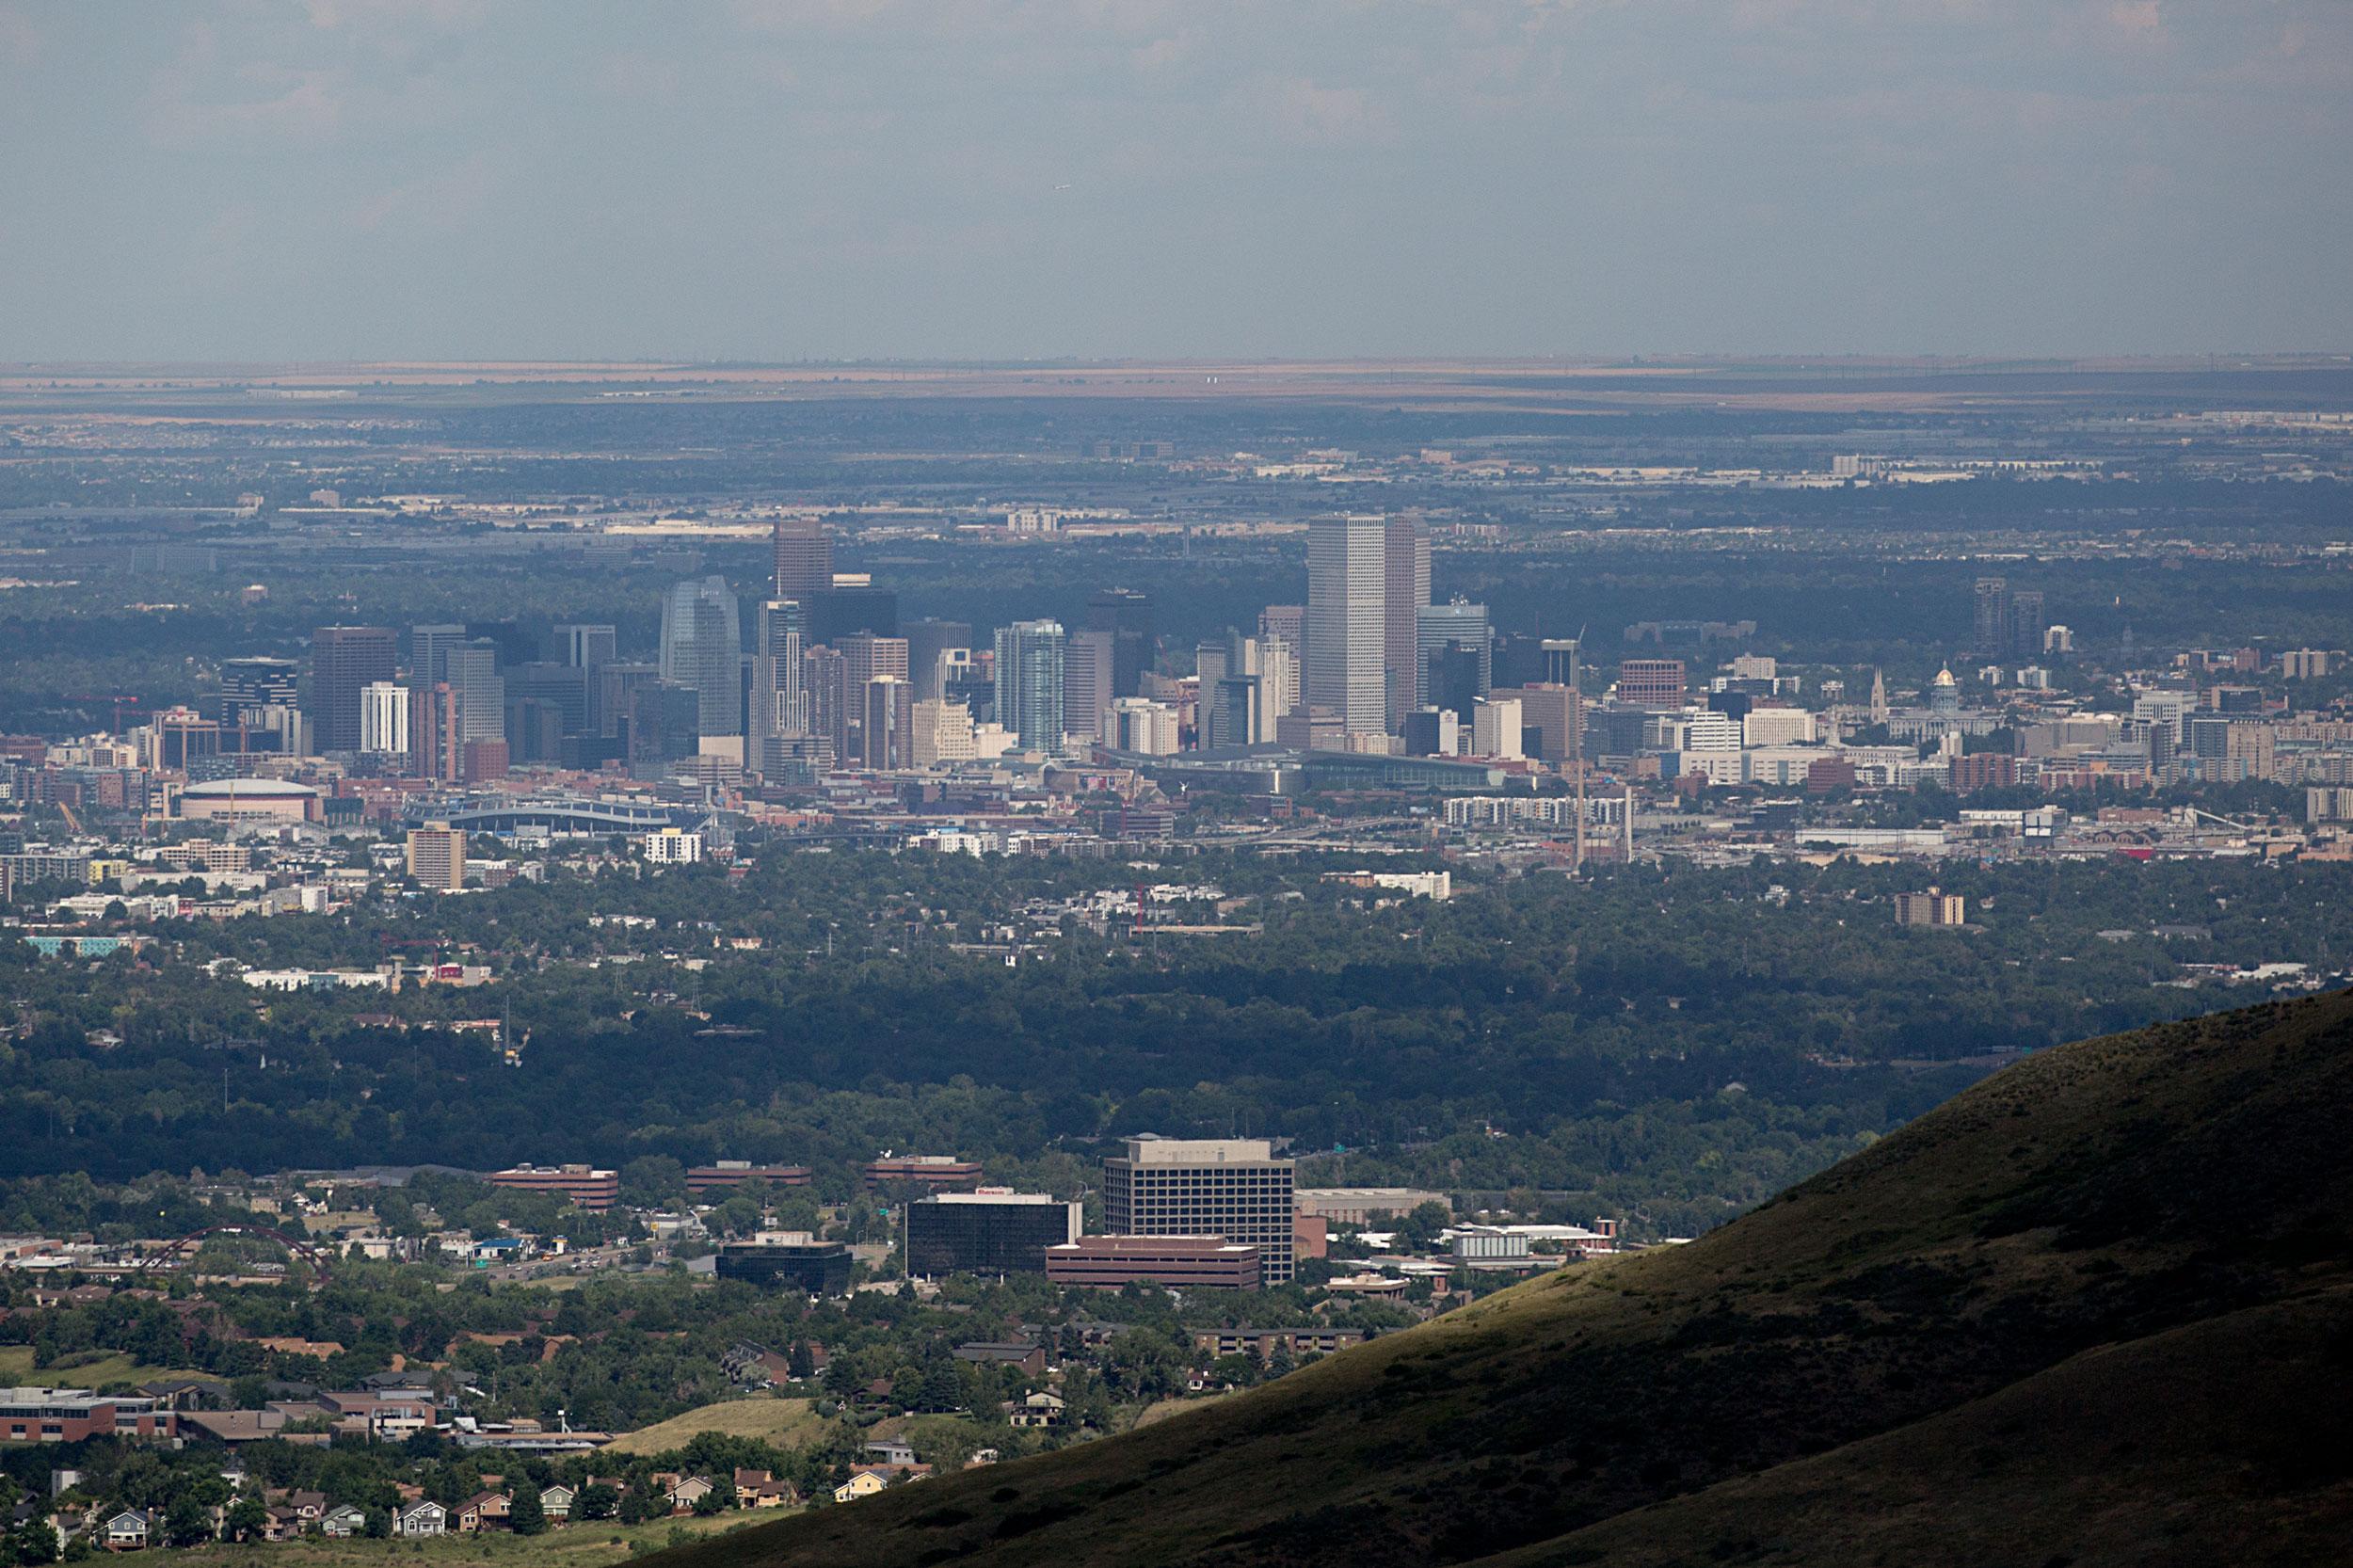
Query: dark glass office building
x=788, y=1262
x=988, y=1233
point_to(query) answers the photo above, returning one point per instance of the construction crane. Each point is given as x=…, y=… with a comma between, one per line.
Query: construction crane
x=120, y=699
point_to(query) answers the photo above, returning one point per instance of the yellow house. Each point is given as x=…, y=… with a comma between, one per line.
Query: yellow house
x=863, y=1483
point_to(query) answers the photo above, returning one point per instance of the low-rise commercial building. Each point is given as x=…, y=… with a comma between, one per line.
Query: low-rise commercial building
x=586, y=1186
x=1114, y=1262
x=787, y=1259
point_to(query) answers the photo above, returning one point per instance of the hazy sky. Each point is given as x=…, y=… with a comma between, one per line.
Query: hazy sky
x=792, y=179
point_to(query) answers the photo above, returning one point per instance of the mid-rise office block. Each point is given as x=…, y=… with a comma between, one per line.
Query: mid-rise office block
x=1232, y=1187
x=992, y=1231
x=1651, y=683
x=1931, y=908
x=940, y=1172
x=250, y=685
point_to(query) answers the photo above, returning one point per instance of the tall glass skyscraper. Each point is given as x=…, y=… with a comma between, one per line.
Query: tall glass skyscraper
x=702, y=648
x=1030, y=683
x=1347, y=620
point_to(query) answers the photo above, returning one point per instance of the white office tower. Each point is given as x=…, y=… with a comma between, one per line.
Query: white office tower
x=1286, y=624
x=1271, y=660
x=1405, y=588
x=1144, y=727
x=384, y=718
x=1496, y=727
x=1347, y=671
x=942, y=734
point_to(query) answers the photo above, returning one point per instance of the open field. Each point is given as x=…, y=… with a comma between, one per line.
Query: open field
x=16, y=1367
x=782, y=1422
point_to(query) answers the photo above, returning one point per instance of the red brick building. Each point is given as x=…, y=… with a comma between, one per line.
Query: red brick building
x=587, y=1188
x=1108, y=1262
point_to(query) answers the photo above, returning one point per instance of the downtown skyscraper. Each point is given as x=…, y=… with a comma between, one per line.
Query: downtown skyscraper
x=701, y=648
x=1348, y=621
x=1030, y=677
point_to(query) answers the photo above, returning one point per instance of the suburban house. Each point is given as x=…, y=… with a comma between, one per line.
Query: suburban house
x=890, y=1450
x=1039, y=1410
x=686, y=1494
x=761, y=1489
x=556, y=1502
x=126, y=1532
x=864, y=1483
x=343, y=1521
x=481, y=1511
x=419, y=1519
x=1030, y=1357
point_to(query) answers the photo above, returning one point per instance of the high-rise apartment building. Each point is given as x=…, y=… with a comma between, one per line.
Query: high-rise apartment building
x=1347, y=627
x=804, y=558
x=2028, y=623
x=828, y=692
x=343, y=659
x=1030, y=683
x=436, y=738
x=702, y=648
x=887, y=722
x=1991, y=629
x=1229, y=1186
x=1405, y=589
x=437, y=856
x=384, y=718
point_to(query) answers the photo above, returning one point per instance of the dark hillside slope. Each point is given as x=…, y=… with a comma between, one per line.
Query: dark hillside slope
x=1965, y=1307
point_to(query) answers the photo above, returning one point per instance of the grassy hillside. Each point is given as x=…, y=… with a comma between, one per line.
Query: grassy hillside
x=783, y=1422
x=2093, y=1310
